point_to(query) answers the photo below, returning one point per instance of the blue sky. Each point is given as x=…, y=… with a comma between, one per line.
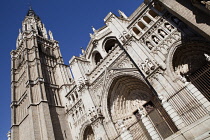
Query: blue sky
x=69, y=20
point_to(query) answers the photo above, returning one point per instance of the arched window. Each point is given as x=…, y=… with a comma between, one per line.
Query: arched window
x=136, y=31
x=97, y=57
x=80, y=110
x=162, y=33
x=169, y=27
x=192, y=63
x=141, y=25
x=72, y=96
x=155, y=39
x=76, y=94
x=159, y=7
x=148, y=20
x=77, y=114
x=88, y=134
x=110, y=43
x=153, y=14
x=149, y=45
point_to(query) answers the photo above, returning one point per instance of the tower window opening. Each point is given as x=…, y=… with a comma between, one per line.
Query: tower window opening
x=110, y=44
x=97, y=58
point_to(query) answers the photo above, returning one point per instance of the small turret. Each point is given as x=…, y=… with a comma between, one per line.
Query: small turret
x=122, y=14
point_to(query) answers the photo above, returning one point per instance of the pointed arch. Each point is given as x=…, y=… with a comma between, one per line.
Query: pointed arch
x=109, y=43
x=124, y=95
x=88, y=133
x=97, y=57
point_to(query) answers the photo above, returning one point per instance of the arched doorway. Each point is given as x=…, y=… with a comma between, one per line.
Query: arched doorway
x=88, y=133
x=126, y=95
x=192, y=62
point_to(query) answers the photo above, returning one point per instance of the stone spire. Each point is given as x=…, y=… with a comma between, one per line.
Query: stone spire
x=32, y=24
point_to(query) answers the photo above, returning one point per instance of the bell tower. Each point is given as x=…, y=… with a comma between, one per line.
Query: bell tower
x=38, y=78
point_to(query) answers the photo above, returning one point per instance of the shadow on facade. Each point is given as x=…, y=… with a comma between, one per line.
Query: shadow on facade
x=200, y=16
x=48, y=75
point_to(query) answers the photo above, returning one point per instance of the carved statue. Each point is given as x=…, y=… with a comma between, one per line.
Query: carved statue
x=149, y=45
x=162, y=33
x=149, y=63
x=206, y=3
x=169, y=27
x=121, y=124
x=144, y=68
x=142, y=112
x=155, y=39
x=162, y=98
x=51, y=35
x=83, y=51
x=207, y=57
x=99, y=111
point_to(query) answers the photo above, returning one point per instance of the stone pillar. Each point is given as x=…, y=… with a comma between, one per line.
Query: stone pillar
x=125, y=134
x=148, y=124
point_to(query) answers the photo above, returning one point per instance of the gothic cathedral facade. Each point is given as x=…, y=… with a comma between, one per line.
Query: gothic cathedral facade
x=142, y=77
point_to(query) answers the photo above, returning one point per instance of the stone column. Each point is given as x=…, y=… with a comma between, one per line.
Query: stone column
x=148, y=124
x=125, y=134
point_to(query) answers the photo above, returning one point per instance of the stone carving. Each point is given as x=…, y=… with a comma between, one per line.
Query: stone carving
x=155, y=39
x=83, y=51
x=181, y=69
x=149, y=45
x=145, y=68
x=162, y=98
x=142, y=112
x=162, y=33
x=95, y=113
x=207, y=57
x=169, y=27
x=121, y=125
x=9, y=135
x=124, y=37
x=183, y=79
x=99, y=112
x=51, y=35
x=206, y=3
x=126, y=63
x=149, y=63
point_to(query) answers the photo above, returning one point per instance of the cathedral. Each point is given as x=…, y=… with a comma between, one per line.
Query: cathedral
x=141, y=77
